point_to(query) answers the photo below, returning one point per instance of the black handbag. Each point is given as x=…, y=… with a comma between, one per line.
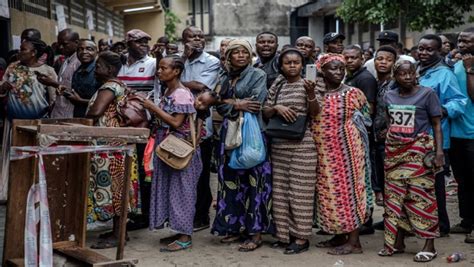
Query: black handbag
x=278, y=127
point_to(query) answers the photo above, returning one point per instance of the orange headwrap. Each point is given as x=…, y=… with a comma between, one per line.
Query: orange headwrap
x=326, y=58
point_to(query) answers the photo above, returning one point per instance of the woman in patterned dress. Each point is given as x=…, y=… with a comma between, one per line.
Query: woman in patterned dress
x=173, y=192
x=343, y=178
x=27, y=97
x=293, y=161
x=243, y=196
x=107, y=169
x=412, y=157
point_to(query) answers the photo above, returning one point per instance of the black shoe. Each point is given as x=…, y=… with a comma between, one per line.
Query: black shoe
x=199, y=226
x=294, y=248
x=321, y=232
x=279, y=244
x=443, y=234
x=460, y=229
x=137, y=223
x=379, y=226
x=366, y=230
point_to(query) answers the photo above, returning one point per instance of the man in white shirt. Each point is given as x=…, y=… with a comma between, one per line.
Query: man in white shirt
x=201, y=73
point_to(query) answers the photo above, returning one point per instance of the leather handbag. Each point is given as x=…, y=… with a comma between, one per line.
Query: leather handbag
x=233, y=138
x=131, y=111
x=278, y=127
x=177, y=152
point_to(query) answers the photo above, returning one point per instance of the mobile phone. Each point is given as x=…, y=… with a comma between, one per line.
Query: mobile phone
x=311, y=72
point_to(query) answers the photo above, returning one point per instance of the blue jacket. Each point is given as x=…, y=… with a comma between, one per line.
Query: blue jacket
x=441, y=78
x=463, y=126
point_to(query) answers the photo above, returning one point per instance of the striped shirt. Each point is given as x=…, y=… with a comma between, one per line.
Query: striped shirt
x=140, y=75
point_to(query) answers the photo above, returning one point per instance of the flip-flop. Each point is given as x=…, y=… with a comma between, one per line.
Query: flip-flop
x=181, y=246
x=105, y=243
x=169, y=239
x=109, y=234
x=386, y=252
x=345, y=250
x=330, y=243
x=425, y=256
x=257, y=243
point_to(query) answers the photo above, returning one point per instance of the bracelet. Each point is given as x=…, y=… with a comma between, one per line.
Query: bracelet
x=312, y=100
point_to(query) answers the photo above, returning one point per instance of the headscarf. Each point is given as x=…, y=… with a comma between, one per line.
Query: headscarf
x=234, y=44
x=329, y=57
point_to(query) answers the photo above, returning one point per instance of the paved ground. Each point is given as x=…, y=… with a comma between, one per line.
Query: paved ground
x=207, y=251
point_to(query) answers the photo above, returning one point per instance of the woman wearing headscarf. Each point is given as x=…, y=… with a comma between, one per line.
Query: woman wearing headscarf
x=343, y=190
x=244, y=196
x=412, y=157
x=293, y=161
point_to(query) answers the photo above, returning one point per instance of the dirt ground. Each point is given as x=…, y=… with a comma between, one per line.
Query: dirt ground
x=207, y=251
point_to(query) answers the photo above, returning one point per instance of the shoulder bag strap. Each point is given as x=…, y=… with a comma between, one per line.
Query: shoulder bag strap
x=193, y=130
x=280, y=85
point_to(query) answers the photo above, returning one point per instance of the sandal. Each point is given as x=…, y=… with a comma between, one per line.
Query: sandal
x=386, y=252
x=330, y=243
x=230, y=239
x=425, y=256
x=294, y=248
x=179, y=246
x=106, y=243
x=170, y=239
x=345, y=250
x=250, y=245
x=110, y=234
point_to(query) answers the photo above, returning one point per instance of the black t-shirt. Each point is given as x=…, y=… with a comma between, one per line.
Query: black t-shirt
x=363, y=80
x=270, y=68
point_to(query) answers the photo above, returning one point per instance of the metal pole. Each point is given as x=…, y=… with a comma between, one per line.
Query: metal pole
x=202, y=15
x=194, y=13
x=337, y=26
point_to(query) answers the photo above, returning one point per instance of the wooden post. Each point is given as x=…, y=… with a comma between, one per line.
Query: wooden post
x=124, y=207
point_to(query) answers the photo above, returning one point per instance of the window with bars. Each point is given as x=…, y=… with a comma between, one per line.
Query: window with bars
x=78, y=17
x=75, y=13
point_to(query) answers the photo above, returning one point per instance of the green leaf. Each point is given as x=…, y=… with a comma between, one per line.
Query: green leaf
x=231, y=185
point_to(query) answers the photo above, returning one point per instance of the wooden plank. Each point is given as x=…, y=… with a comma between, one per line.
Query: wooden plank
x=84, y=255
x=29, y=128
x=83, y=121
x=64, y=244
x=19, y=183
x=92, y=133
x=15, y=262
x=117, y=263
x=124, y=208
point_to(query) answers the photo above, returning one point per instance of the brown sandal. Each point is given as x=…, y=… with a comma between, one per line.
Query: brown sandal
x=345, y=250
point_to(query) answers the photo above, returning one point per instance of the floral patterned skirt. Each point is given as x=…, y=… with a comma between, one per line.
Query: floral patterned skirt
x=105, y=186
x=244, y=197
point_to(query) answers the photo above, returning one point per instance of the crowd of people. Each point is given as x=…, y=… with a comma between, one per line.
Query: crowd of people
x=341, y=129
